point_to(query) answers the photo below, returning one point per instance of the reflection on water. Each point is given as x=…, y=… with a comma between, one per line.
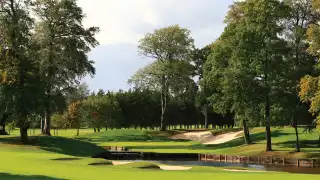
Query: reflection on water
x=251, y=166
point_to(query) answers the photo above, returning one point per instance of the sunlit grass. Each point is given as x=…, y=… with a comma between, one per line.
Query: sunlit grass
x=283, y=140
x=33, y=165
x=36, y=160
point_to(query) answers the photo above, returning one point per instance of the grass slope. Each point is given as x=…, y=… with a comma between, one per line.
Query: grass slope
x=141, y=140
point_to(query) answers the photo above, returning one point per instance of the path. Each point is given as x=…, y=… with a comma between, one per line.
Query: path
x=206, y=137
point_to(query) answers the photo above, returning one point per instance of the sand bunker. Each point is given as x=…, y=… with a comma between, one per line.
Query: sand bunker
x=120, y=162
x=163, y=167
x=206, y=137
x=175, y=168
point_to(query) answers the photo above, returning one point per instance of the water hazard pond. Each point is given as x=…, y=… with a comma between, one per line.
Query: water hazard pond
x=250, y=166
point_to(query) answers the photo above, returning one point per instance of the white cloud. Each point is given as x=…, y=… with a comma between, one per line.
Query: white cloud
x=117, y=17
x=124, y=22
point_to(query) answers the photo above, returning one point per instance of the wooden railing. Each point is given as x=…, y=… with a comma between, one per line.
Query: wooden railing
x=264, y=160
x=115, y=148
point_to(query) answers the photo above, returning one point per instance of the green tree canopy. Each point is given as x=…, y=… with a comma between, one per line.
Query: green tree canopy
x=172, y=49
x=64, y=44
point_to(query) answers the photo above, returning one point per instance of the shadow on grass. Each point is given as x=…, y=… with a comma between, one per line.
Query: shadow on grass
x=312, y=151
x=66, y=159
x=303, y=144
x=6, y=176
x=153, y=136
x=60, y=145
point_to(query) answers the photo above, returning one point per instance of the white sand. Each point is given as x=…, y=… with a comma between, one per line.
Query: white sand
x=206, y=137
x=120, y=162
x=163, y=167
x=223, y=138
x=175, y=168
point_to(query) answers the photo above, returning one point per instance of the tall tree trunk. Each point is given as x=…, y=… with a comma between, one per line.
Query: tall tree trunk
x=23, y=129
x=94, y=129
x=295, y=125
x=3, y=130
x=42, y=125
x=246, y=132
x=3, y=123
x=49, y=87
x=163, y=126
x=24, y=134
x=205, y=113
x=297, y=140
x=78, y=129
x=268, y=129
x=48, y=115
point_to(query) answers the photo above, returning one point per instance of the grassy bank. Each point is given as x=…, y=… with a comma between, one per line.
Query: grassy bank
x=140, y=140
x=154, y=141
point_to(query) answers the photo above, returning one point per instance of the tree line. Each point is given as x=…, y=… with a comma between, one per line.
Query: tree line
x=139, y=109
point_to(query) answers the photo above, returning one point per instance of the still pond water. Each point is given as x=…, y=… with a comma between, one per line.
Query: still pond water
x=251, y=166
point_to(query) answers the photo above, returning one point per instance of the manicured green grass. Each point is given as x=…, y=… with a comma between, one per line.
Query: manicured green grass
x=40, y=165
x=154, y=141
x=141, y=140
x=48, y=158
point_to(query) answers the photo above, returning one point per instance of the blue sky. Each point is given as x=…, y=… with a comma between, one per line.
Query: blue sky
x=124, y=22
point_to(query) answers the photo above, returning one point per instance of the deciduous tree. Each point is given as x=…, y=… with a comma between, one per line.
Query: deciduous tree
x=170, y=47
x=64, y=44
x=19, y=70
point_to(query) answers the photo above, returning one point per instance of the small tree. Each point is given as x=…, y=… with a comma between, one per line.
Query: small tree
x=101, y=111
x=58, y=122
x=74, y=114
